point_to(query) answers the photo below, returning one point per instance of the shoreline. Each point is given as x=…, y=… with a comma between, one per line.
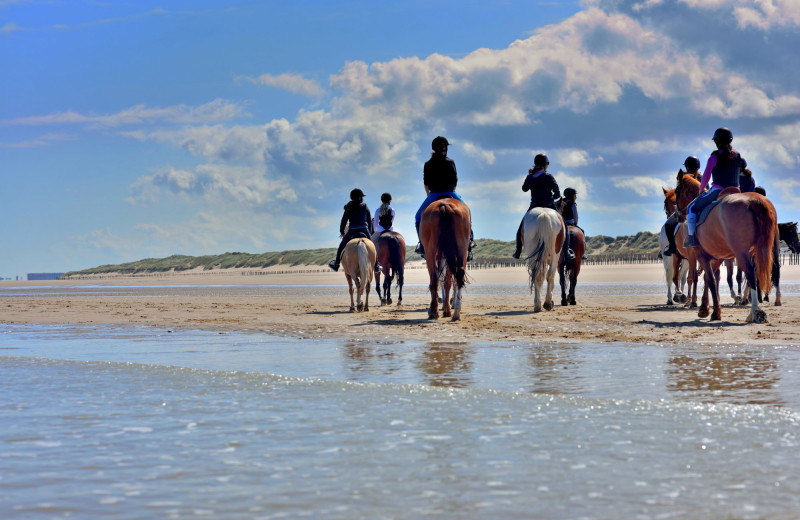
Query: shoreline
x=229, y=302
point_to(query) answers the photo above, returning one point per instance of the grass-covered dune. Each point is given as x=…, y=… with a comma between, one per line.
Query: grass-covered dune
x=488, y=250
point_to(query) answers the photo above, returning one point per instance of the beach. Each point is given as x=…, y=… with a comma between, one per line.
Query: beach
x=607, y=310
x=252, y=395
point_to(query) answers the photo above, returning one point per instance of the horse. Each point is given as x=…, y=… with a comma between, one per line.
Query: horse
x=741, y=226
x=358, y=261
x=444, y=231
x=787, y=232
x=543, y=239
x=571, y=268
x=391, y=250
x=687, y=189
x=679, y=282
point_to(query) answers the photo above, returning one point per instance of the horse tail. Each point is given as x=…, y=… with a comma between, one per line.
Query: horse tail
x=395, y=258
x=364, y=263
x=544, y=239
x=766, y=226
x=448, y=244
x=536, y=269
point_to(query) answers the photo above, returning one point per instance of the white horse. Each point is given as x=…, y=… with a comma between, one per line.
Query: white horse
x=358, y=261
x=543, y=237
x=669, y=271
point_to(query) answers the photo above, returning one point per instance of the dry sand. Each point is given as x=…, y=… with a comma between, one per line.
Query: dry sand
x=485, y=318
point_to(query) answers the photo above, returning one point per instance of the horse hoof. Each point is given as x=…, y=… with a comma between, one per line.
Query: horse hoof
x=573, y=302
x=433, y=315
x=352, y=309
x=669, y=302
x=446, y=314
x=564, y=302
x=456, y=316
x=548, y=306
x=683, y=298
x=716, y=316
x=389, y=301
x=366, y=308
x=693, y=305
x=761, y=316
x=360, y=307
x=703, y=313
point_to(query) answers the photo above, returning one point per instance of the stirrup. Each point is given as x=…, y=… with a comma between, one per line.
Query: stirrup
x=570, y=254
x=666, y=251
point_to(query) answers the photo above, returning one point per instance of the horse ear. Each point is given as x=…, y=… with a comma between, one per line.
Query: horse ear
x=665, y=190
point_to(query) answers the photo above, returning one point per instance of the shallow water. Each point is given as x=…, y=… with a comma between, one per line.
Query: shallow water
x=110, y=422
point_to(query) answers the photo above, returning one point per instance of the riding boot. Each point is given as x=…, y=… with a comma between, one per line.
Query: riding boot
x=420, y=250
x=669, y=229
x=471, y=245
x=335, y=264
x=518, y=250
x=569, y=254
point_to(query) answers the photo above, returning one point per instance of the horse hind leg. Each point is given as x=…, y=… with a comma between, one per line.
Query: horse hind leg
x=447, y=310
x=350, y=287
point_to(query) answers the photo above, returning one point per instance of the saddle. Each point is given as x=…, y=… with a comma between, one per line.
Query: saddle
x=721, y=195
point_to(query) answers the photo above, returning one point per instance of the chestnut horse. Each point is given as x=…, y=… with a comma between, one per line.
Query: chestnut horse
x=679, y=281
x=741, y=226
x=571, y=268
x=444, y=233
x=391, y=249
x=358, y=261
x=687, y=189
x=543, y=238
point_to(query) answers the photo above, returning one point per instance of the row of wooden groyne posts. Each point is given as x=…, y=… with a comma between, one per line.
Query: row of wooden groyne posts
x=786, y=258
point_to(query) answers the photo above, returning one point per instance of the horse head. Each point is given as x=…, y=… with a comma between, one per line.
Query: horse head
x=788, y=233
x=686, y=191
x=669, y=201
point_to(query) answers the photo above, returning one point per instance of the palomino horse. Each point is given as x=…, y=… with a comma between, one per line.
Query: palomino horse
x=571, y=268
x=444, y=233
x=543, y=238
x=391, y=249
x=358, y=261
x=742, y=226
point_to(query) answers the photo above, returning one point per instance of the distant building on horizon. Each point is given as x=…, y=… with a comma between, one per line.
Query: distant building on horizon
x=44, y=276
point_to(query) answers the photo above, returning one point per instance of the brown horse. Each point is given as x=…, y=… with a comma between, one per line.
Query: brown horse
x=391, y=248
x=444, y=233
x=358, y=261
x=571, y=268
x=687, y=189
x=742, y=226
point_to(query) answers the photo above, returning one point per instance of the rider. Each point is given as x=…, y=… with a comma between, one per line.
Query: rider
x=722, y=168
x=440, y=179
x=760, y=190
x=384, y=217
x=692, y=165
x=569, y=213
x=357, y=214
x=544, y=192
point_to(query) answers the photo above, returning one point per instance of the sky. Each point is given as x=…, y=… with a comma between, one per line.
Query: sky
x=143, y=129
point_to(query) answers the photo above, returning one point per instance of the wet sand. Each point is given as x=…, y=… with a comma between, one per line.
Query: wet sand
x=213, y=304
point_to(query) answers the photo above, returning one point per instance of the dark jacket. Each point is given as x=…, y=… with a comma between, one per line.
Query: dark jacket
x=747, y=183
x=570, y=212
x=544, y=190
x=439, y=174
x=726, y=170
x=359, y=217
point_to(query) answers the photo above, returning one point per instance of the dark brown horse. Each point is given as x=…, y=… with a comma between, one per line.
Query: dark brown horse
x=444, y=233
x=787, y=232
x=742, y=226
x=571, y=268
x=391, y=247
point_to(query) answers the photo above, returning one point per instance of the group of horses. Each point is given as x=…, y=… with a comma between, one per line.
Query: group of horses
x=741, y=228
x=445, y=235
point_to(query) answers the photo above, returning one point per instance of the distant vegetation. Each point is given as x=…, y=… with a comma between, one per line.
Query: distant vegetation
x=488, y=250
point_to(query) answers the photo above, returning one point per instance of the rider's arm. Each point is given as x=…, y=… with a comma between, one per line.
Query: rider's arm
x=575, y=213
x=712, y=161
x=343, y=223
x=528, y=182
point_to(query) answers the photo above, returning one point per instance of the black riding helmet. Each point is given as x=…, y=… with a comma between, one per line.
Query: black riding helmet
x=386, y=198
x=570, y=193
x=439, y=143
x=541, y=160
x=692, y=163
x=723, y=134
x=356, y=194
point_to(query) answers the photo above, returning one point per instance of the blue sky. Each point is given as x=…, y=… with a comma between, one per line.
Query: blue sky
x=143, y=129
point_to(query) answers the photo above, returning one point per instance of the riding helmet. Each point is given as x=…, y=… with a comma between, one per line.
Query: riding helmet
x=541, y=160
x=386, y=198
x=570, y=192
x=692, y=163
x=439, y=143
x=723, y=134
x=356, y=194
